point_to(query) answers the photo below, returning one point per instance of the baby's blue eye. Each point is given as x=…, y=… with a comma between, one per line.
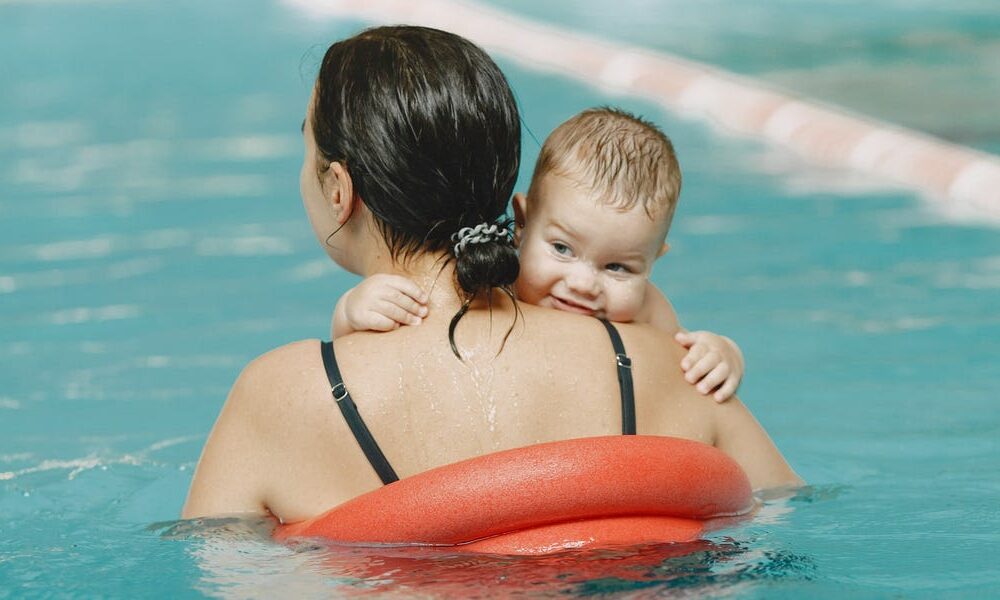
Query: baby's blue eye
x=618, y=268
x=560, y=248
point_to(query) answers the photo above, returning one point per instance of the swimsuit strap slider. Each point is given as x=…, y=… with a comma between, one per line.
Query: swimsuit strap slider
x=341, y=394
x=623, y=361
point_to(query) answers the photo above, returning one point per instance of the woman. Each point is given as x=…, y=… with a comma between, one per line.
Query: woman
x=411, y=135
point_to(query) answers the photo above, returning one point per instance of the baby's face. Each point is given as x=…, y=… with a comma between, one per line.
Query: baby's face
x=582, y=256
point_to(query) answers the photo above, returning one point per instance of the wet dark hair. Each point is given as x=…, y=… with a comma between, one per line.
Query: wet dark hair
x=427, y=126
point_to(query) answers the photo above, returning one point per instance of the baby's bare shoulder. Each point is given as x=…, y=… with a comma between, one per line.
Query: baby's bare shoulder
x=657, y=311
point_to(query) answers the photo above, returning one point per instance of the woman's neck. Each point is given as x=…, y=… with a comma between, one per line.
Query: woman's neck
x=435, y=274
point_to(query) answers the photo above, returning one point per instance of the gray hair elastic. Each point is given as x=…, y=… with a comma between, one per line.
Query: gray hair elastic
x=480, y=234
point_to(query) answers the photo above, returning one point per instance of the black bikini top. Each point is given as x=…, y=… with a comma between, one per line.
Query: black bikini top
x=371, y=448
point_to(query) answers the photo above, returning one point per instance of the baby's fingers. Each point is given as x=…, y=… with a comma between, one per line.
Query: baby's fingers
x=684, y=339
x=727, y=390
x=701, y=368
x=406, y=295
x=414, y=310
x=715, y=377
x=376, y=321
x=695, y=354
x=408, y=288
x=404, y=316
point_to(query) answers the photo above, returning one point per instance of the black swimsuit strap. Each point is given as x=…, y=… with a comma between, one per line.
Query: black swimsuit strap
x=350, y=411
x=374, y=454
x=624, y=364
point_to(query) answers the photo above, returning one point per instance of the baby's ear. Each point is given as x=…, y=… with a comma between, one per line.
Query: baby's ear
x=520, y=208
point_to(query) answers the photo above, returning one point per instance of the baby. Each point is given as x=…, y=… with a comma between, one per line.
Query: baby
x=593, y=223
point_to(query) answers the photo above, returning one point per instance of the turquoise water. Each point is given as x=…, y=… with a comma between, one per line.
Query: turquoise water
x=925, y=64
x=152, y=242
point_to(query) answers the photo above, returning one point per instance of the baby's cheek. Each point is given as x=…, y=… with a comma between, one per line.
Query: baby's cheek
x=624, y=306
x=528, y=286
x=522, y=289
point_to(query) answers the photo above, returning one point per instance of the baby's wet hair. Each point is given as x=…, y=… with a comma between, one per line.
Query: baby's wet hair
x=622, y=159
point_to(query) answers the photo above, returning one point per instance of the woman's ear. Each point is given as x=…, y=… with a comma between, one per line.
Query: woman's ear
x=338, y=185
x=520, y=208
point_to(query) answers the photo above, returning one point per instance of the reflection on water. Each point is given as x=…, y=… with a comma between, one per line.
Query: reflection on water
x=238, y=560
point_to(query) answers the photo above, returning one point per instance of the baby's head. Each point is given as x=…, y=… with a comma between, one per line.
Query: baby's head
x=596, y=215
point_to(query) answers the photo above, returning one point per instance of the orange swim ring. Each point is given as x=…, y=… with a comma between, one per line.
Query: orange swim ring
x=587, y=492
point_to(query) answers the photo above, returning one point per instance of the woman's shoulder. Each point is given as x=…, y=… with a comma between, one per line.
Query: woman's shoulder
x=269, y=382
x=248, y=446
x=646, y=339
x=285, y=361
x=639, y=339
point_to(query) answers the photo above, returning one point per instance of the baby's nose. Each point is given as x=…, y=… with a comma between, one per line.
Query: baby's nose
x=583, y=281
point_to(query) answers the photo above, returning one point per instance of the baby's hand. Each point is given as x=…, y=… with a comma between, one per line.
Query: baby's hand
x=382, y=303
x=712, y=361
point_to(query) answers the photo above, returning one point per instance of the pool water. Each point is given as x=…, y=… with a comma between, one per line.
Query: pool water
x=922, y=64
x=152, y=242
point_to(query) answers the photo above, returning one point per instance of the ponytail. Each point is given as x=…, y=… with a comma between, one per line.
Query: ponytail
x=485, y=258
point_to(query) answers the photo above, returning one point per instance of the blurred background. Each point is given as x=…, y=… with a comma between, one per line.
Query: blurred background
x=152, y=242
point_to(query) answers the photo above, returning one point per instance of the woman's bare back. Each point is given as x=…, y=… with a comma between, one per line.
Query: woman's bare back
x=281, y=445
x=554, y=379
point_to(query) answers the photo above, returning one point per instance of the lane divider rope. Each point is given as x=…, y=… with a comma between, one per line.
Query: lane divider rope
x=963, y=180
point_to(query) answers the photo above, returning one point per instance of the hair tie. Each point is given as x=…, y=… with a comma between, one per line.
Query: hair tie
x=483, y=233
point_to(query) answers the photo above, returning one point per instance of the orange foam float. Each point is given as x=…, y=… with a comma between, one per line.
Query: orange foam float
x=587, y=492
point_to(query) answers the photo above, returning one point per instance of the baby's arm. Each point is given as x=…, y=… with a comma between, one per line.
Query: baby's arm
x=381, y=302
x=658, y=311
x=713, y=362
